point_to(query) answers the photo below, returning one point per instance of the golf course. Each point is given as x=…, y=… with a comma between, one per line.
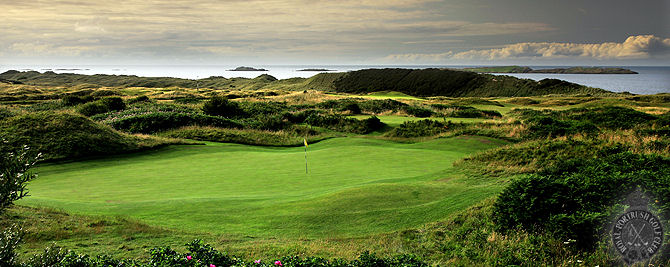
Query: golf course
x=353, y=186
x=439, y=168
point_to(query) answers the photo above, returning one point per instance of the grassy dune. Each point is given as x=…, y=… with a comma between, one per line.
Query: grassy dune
x=355, y=187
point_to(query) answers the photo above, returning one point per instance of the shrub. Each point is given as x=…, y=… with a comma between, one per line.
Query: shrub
x=159, y=121
x=344, y=124
x=140, y=99
x=420, y=128
x=543, y=126
x=379, y=106
x=93, y=108
x=10, y=239
x=14, y=175
x=113, y=103
x=571, y=199
x=352, y=108
x=221, y=106
x=6, y=113
x=417, y=111
x=73, y=100
x=102, y=106
x=611, y=117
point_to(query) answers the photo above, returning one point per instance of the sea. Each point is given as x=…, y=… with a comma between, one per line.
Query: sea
x=650, y=80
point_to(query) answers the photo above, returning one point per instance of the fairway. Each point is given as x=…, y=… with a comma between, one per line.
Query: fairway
x=355, y=186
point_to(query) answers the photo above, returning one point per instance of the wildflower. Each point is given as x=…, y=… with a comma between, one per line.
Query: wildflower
x=189, y=257
x=212, y=265
x=257, y=261
x=579, y=261
x=278, y=263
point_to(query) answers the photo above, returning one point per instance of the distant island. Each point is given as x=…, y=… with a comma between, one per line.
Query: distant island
x=247, y=69
x=315, y=70
x=572, y=70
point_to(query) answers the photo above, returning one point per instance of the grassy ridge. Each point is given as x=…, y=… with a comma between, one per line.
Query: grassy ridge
x=414, y=82
x=70, y=136
x=453, y=83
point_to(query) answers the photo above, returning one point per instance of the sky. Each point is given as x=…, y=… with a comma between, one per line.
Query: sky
x=318, y=32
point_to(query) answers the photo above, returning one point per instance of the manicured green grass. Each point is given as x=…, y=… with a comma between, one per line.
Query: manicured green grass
x=355, y=187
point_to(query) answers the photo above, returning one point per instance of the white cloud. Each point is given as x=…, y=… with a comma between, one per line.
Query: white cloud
x=634, y=47
x=37, y=48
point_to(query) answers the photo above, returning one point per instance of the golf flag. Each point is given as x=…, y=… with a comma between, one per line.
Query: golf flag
x=305, y=141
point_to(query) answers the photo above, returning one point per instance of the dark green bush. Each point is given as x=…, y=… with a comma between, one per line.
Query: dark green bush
x=10, y=239
x=344, y=124
x=352, y=108
x=221, y=106
x=113, y=103
x=73, y=100
x=14, y=174
x=418, y=111
x=544, y=126
x=102, y=106
x=271, y=123
x=6, y=113
x=572, y=198
x=611, y=117
x=161, y=121
x=383, y=105
x=420, y=128
x=139, y=99
x=92, y=108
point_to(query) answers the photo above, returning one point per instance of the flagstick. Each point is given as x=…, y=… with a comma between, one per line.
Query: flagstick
x=305, y=159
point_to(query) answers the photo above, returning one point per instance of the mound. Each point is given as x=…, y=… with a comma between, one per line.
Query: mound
x=452, y=83
x=63, y=135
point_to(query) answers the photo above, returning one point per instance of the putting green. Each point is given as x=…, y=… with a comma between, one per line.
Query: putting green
x=355, y=186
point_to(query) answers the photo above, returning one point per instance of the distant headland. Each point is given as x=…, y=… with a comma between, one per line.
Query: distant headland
x=315, y=70
x=247, y=69
x=572, y=70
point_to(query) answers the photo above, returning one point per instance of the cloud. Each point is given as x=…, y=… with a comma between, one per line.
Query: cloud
x=263, y=27
x=37, y=48
x=634, y=47
x=94, y=25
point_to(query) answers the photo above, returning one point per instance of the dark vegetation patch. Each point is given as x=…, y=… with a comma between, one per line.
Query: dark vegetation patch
x=290, y=137
x=101, y=106
x=571, y=199
x=452, y=83
x=457, y=111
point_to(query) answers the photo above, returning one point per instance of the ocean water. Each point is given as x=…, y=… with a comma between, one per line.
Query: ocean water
x=650, y=80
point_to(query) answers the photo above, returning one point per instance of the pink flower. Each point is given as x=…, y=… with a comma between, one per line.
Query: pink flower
x=257, y=261
x=212, y=265
x=278, y=263
x=189, y=258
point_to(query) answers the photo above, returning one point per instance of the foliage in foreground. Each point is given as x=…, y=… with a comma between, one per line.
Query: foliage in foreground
x=197, y=254
x=14, y=175
x=572, y=199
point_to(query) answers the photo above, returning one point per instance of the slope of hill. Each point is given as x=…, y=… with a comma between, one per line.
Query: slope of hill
x=453, y=83
x=415, y=82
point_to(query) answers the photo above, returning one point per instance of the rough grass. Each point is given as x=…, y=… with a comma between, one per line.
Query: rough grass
x=63, y=135
x=247, y=136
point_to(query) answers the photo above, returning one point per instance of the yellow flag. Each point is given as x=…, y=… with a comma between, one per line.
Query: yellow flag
x=305, y=140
